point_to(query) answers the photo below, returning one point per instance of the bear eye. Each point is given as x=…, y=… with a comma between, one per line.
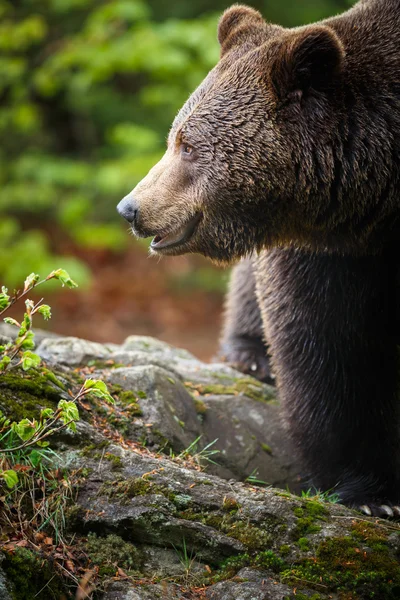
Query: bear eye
x=187, y=150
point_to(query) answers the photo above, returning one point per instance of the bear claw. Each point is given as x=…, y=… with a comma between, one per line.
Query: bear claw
x=380, y=510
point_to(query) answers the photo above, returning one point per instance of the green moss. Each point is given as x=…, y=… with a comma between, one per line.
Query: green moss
x=343, y=566
x=115, y=460
x=126, y=489
x=251, y=536
x=305, y=526
x=269, y=560
x=230, y=567
x=126, y=396
x=369, y=534
x=303, y=543
x=250, y=387
x=200, y=406
x=108, y=553
x=266, y=448
x=130, y=402
x=284, y=550
x=230, y=505
x=94, y=450
x=25, y=394
x=307, y=514
x=261, y=560
x=104, y=364
x=316, y=509
x=31, y=576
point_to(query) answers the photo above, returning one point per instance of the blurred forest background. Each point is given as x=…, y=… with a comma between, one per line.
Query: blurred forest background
x=88, y=90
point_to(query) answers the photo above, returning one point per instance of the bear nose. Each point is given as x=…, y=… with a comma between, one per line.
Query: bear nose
x=128, y=209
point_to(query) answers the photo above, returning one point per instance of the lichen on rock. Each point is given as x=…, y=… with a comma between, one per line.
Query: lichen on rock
x=153, y=519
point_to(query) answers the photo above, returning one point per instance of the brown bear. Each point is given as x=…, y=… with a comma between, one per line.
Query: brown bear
x=288, y=156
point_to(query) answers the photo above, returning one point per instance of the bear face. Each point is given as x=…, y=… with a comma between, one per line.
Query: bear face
x=226, y=180
x=271, y=150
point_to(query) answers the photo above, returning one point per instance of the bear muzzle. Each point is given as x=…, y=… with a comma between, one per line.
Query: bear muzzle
x=177, y=237
x=128, y=208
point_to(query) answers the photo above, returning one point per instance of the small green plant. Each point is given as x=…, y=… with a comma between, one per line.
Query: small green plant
x=187, y=560
x=18, y=352
x=32, y=432
x=253, y=479
x=314, y=494
x=18, y=436
x=35, y=490
x=198, y=456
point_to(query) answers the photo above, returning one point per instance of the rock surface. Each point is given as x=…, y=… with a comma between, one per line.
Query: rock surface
x=155, y=518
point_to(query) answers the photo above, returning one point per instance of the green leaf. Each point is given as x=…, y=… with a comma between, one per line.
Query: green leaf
x=10, y=477
x=4, y=298
x=4, y=422
x=46, y=413
x=35, y=457
x=11, y=321
x=30, y=281
x=4, y=362
x=27, y=323
x=69, y=412
x=25, y=429
x=27, y=343
x=45, y=311
x=30, y=360
x=99, y=389
x=43, y=444
x=62, y=276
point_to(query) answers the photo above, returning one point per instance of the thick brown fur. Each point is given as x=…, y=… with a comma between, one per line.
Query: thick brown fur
x=291, y=147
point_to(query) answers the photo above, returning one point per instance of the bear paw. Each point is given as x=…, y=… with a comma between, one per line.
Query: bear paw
x=248, y=356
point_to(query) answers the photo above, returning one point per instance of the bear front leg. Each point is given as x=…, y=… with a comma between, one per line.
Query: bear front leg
x=330, y=322
x=242, y=343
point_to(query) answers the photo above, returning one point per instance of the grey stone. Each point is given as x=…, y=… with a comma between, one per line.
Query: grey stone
x=256, y=585
x=157, y=348
x=166, y=405
x=73, y=351
x=124, y=590
x=251, y=439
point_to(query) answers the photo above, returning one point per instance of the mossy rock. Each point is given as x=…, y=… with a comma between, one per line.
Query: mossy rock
x=25, y=394
x=349, y=568
x=110, y=552
x=31, y=576
x=246, y=385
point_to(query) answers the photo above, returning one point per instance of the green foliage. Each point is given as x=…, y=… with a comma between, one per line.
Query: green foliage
x=89, y=89
x=20, y=435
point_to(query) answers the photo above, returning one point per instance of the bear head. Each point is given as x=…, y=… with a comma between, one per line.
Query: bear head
x=240, y=171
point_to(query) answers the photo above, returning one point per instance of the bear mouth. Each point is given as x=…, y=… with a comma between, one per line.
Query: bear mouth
x=177, y=237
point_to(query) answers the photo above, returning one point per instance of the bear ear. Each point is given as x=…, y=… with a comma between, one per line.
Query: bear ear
x=307, y=60
x=239, y=24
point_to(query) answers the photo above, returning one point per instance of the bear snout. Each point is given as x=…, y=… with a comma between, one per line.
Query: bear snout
x=128, y=209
